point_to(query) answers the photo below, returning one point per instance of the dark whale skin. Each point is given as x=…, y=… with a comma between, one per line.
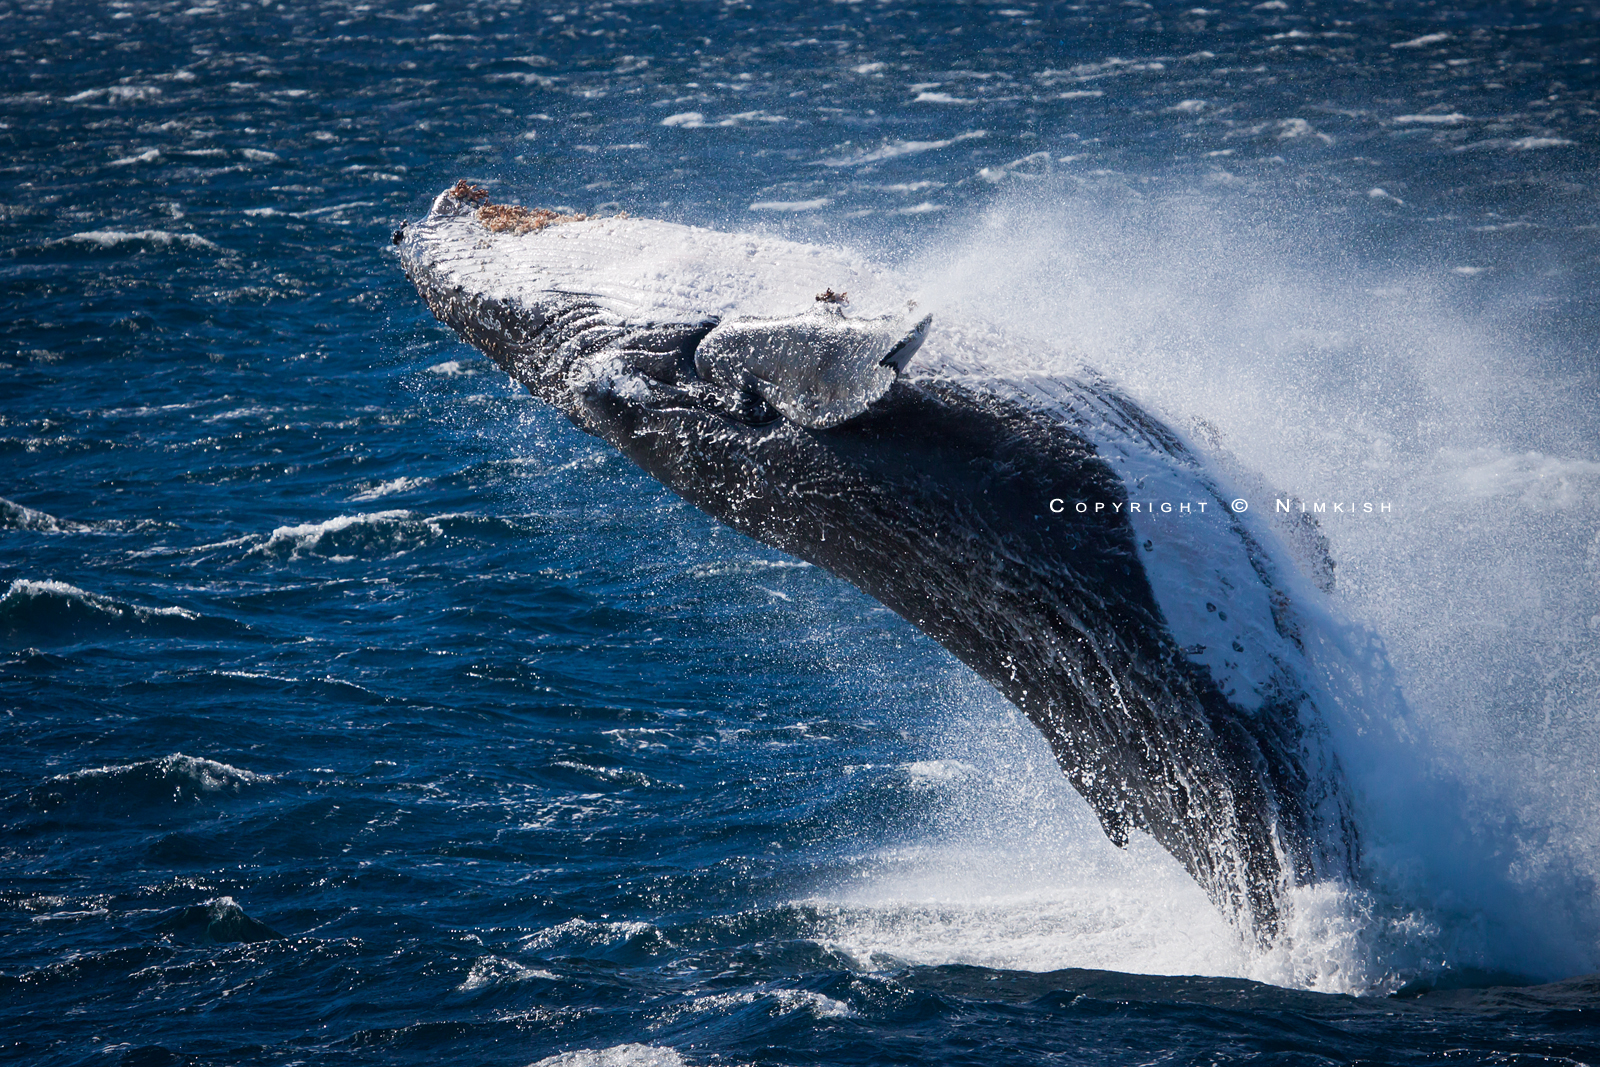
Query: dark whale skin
x=935, y=503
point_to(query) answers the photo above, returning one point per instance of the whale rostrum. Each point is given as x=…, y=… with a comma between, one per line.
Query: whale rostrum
x=1160, y=655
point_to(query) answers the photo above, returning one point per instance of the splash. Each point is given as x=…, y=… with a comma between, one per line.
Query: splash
x=1459, y=639
x=632, y=1055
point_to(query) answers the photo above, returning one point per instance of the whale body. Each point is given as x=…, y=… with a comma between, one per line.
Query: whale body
x=1046, y=530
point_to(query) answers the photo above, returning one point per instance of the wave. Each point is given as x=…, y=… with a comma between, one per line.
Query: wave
x=631, y=1055
x=491, y=971
x=582, y=932
x=53, y=612
x=451, y=368
x=369, y=535
x=791, y=205
x=774, y=1001
x=619, y=942
x=347, y=537
x=383, y=489
x=615, y=776
x=14, y=516
x=154, y=783
x=896, y=149
x=162, y=239
x=116, y=94
x=217, y=922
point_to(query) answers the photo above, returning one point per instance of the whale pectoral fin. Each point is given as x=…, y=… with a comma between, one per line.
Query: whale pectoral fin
x=1116, y=824
x=817, y=369
x=1106, y=804
x=901, y=354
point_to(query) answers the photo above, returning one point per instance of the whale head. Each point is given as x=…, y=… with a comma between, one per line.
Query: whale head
x=562, y=300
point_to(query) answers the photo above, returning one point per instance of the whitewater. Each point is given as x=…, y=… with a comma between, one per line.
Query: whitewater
x=1428, y=837
x=1345, y=385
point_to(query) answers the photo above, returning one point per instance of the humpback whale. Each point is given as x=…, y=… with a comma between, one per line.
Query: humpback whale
x=1047, y=530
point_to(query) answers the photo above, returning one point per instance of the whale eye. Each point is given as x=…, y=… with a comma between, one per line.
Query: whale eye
x=664, y=351
x=1210, y=606
x=1149, y=546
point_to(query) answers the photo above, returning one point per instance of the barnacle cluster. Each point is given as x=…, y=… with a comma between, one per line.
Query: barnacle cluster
x=513, y=218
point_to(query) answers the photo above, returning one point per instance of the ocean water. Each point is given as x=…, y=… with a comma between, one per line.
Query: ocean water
x=358, y=709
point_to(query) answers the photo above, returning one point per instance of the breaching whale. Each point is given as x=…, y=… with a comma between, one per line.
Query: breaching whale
x=1049, y=532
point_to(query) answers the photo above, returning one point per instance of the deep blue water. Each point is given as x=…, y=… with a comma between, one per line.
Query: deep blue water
x=356, y=708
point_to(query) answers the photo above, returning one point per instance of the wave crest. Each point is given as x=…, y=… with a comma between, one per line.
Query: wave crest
x=14, y=516
x=631, y=1055
x=491, y=971
x=162, y=239
x=169, y=780
x=53, y=612
x=218, y=922
x=346, y=537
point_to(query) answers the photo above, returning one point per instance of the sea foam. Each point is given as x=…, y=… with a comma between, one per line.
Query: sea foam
x=632, y=1055
x=1462, y=617
x=167, y=780
x=345, y=537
